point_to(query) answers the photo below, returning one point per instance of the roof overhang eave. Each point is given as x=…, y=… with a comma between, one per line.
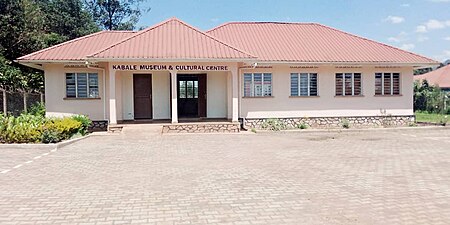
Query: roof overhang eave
x=33, y=65
x=48, y=61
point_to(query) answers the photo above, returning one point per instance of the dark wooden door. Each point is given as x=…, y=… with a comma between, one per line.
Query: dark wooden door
x=187, y=95
x=191, y=90
x=142, y=85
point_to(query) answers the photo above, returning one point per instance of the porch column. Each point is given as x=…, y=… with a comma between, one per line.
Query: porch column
x=173, y=84
x=112, y=97
x=235, y=94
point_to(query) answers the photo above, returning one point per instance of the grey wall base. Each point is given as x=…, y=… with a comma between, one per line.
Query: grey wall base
x=202, y=128
x=336, y=122
x=98, y=125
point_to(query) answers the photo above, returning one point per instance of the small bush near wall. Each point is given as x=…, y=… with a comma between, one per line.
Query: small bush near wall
x=273, y=125
x=29, y=128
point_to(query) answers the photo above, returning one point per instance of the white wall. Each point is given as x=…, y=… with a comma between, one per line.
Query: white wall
x=55, y=93
x=281, y=105
x=161, y=95
x=127, y=96
x=216, y=92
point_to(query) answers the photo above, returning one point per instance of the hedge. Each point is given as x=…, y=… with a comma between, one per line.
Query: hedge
x=29, y=128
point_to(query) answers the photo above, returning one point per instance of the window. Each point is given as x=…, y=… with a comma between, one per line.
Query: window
x=188, y=89
x=303, y=84
x=257, y=84
x=348, y=84
x=387, y=83
x=82, y=85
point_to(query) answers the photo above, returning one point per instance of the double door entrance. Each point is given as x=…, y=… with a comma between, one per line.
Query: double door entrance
x=191, y=95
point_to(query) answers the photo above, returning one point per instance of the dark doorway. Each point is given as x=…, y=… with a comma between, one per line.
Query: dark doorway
x=142, y=85
x=191, y=89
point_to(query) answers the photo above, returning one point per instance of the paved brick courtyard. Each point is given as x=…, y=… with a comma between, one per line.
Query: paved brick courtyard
x=143, y=177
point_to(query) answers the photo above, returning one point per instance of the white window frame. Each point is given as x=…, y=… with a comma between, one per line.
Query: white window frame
x=252, y=85
x=87, y=85
x=309, y=84
x=353, y=83
x=392, y=83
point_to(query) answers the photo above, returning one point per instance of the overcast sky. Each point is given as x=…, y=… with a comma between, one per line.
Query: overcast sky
x=420, y=26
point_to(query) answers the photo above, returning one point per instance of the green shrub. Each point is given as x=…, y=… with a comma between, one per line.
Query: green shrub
x=28, y=128
x=50, y=136
x=38, y=109
x=25, y=128
x=63, y=128
x=345, y=123
x=273, y=125
x=85, y=123
x=443, y=120
x=302, y=126
x=430, y=98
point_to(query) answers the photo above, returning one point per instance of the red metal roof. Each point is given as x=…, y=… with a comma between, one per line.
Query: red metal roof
x=261, y=41
x=309, y=42
x=79, y=48
x=440, y=77
x=172, y=39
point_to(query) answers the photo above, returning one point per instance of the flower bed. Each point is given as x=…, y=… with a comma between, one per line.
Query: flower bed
x=29, y=128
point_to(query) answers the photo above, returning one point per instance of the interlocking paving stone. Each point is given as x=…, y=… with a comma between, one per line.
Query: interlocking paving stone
x=142, y=177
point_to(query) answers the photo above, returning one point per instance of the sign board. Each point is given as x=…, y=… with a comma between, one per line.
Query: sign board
x=145, y=67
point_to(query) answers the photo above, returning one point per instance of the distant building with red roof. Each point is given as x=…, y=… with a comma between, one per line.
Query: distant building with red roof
x=439, y=77
x=239, y=71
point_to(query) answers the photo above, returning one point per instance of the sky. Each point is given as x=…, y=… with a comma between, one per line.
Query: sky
x=419, y=26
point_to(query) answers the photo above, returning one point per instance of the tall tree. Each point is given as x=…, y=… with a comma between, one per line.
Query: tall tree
x=116, y=14
x=30, y=25
x=21, y=28
x=68, y=18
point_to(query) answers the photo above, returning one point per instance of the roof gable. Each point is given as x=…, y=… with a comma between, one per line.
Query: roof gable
x=309, y=42
x=77, y=49
x=172, y=39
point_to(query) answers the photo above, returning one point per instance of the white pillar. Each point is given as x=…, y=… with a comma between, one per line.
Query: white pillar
x=112, y=97
x=235, y=88
x=229, y=97
x=173, y=83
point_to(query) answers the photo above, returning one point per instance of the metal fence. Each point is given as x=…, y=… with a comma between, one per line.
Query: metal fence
x=17, y=102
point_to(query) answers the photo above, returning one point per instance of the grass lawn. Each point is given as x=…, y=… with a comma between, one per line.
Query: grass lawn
x=431, y=118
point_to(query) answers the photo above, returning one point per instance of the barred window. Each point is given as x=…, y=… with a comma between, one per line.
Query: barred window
x=82, y=85
x=348, y=84
x=303, y=84
x=387, y=83
x=257, y=84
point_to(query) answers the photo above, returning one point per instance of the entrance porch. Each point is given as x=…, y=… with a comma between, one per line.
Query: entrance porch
x=137, y=96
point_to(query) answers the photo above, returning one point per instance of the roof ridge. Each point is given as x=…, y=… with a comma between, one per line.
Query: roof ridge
x=62, y=44
x=121, y=31
x=376, y=42
x=132, y=36
x=216, y=39
x=162, y=23
x=255, y=22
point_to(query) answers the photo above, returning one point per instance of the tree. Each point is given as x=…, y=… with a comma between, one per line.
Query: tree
x=30, y=25
x=115, y=14
x=67, y=18
x=21, y=28
x=429, y=98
